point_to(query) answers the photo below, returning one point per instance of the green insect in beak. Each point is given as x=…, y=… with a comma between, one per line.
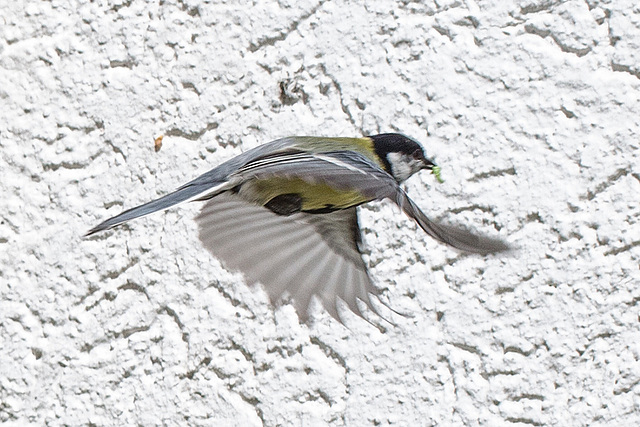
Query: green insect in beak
x=436, y=172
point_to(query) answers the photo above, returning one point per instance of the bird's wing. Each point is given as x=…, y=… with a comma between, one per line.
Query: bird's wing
x=343, y=170
x=301, y=254
x=275, y=157
x=348, y=170
x=457, y=237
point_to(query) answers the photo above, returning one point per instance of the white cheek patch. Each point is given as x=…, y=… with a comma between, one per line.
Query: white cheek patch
x=400, y=166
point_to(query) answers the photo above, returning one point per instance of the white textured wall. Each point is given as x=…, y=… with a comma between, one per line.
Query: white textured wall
x=531, y=107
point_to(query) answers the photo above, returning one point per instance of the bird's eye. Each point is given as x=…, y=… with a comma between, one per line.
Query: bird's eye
x=417, y=155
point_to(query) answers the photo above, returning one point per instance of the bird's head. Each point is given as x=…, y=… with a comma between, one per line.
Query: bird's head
x=401, y=156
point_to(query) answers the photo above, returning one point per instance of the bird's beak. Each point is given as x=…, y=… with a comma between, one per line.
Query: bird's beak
x=428, y=164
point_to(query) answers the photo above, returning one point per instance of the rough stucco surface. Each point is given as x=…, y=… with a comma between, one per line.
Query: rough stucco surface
x=531, y=107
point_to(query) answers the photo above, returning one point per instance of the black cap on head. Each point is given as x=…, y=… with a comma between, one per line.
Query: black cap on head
x=386, y=143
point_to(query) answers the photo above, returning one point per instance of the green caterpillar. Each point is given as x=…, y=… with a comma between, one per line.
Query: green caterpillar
x=436, y=171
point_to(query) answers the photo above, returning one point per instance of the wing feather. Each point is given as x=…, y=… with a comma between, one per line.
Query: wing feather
x=279, y=278
x=302, y=254
x=307, y=289
x=348, y=170
x=456, y=237
x=328, y=293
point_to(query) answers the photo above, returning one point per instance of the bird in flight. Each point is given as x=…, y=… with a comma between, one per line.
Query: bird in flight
x=285, y=214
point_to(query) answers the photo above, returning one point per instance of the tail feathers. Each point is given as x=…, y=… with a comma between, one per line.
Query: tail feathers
x=181, y=195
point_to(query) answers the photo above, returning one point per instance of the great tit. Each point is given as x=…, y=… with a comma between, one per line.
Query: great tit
x=285, y=214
